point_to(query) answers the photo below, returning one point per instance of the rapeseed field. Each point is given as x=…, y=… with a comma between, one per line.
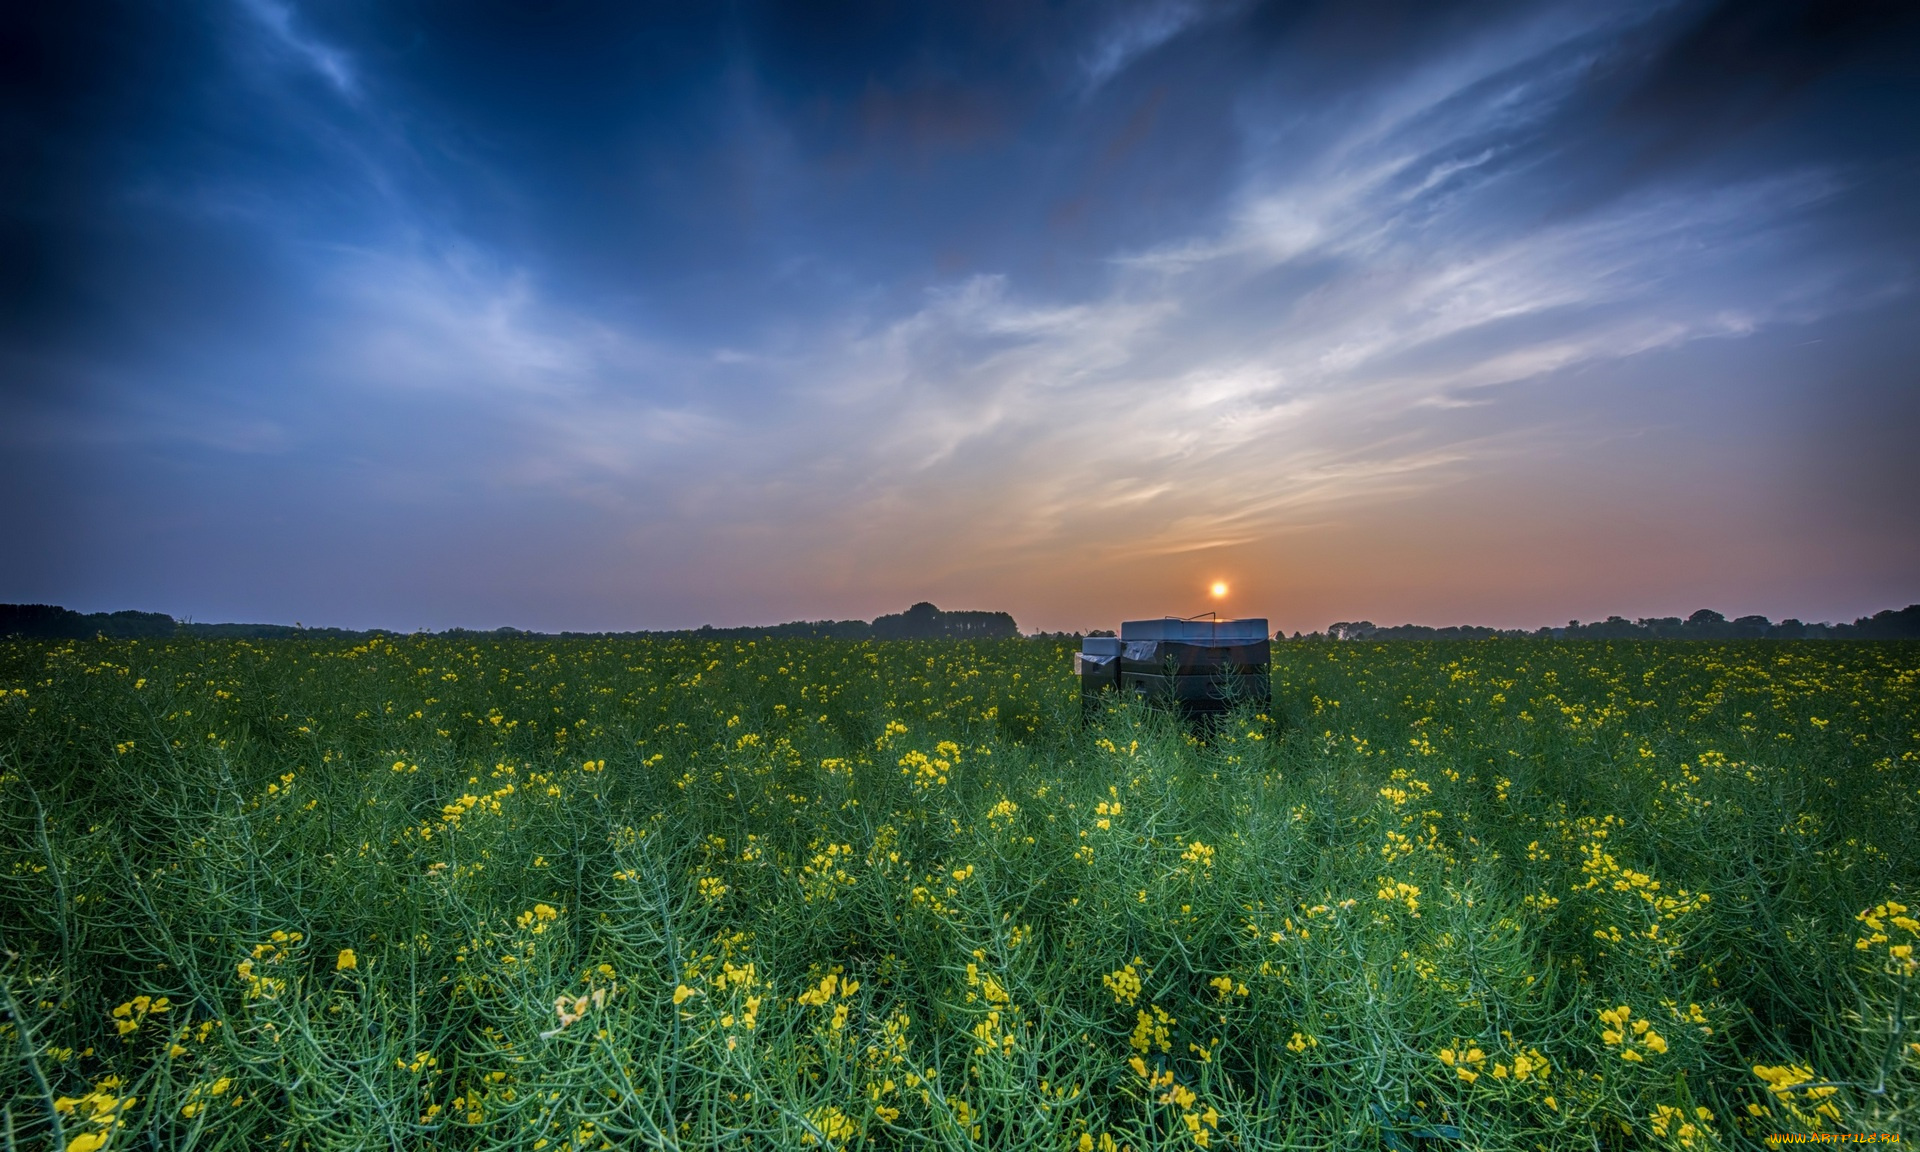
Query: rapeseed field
x=561, y=895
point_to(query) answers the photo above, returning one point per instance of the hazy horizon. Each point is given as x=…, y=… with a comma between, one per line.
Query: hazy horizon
x=592, y=317
x=1084, y=628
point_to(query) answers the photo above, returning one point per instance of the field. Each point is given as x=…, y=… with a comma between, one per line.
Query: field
x=443, y=893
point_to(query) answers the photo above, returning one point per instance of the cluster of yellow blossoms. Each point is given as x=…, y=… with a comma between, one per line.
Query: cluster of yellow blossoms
x=538, y=919
x=1225, y=986
x=1878, y=920
x=1400, y=892
x=1151, y=1031
x=822, y=994
x=1198, y=853
x=1605, y=872
x=1790, y=1081
x=469, y=802
x=200, y=1097
x=102, y=1110
x=928, y=771
x=128, y=1017
x=1201, y=1123
x=1687, y=1130
x=1124, y=983
x=1469, y=1061
x=276, y=950
x=836, y=1126
x=1634, y=1038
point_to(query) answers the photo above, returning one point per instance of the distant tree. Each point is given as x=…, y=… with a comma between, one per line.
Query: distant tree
x=1889, y=625
x=52, y=622
x=795, y=630
x=40, y=620
x=925, y=622
x=1612, y=628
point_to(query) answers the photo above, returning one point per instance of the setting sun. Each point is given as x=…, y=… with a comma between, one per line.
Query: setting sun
x=1219, y=589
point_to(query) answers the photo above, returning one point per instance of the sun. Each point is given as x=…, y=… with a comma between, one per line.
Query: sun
x=1219, y=589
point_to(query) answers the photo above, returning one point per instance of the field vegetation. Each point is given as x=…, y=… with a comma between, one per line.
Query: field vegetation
x=559, y=895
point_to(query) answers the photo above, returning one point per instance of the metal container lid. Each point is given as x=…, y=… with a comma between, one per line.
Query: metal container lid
x=1251, y=630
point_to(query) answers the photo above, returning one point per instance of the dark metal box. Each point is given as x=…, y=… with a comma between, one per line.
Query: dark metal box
x=1191, y=666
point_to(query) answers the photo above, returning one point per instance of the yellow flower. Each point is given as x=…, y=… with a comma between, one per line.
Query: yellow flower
x=682, y=993
x=347, y=961
x=833, y=1123
x=87, y=1142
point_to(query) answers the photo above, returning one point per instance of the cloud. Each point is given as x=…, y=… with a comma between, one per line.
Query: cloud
x=1135, y=33
x=277, y=20
x=683, y=329
x=1227, y=386
x=1220, y=388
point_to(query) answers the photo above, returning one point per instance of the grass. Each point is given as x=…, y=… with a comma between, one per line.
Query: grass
x=428, y=893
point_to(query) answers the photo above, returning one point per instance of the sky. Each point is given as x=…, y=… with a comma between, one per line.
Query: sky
x=606, y=316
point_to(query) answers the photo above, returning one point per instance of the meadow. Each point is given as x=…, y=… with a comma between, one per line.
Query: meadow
x=457, y=893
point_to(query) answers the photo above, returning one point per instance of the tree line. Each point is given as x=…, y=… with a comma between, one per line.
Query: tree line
x=923, y=621
x=1706, y=624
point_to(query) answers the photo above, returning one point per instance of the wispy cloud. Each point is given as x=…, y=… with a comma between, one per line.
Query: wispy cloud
x=698, y=340
x=1136, y=31
x=278, y=21
x=1221, y=386
x=1190, y=405
x=1193, y=404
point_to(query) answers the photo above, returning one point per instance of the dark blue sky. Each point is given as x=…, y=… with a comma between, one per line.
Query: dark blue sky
x=610, y=315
